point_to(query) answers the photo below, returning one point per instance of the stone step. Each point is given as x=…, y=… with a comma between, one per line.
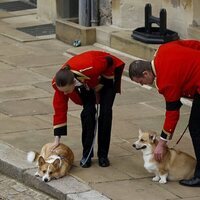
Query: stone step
x=68, y=32
x=123, y=41
x=103, y=34
x=194, y=32
x=110, y=36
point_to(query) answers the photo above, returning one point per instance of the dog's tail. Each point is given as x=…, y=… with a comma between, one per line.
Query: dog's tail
x=32, y=156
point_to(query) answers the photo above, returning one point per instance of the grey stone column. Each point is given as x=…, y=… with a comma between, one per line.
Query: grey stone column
x=84, y=12
x=94, y=12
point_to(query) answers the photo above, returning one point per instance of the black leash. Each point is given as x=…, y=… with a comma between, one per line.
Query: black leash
x=181, y=136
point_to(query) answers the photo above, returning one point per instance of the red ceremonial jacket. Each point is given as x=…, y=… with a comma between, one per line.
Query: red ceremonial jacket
x=177, y=69
x=89, y=66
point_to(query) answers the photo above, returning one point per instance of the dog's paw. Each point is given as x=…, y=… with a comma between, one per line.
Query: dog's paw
x=156, y=178
x=162, y=181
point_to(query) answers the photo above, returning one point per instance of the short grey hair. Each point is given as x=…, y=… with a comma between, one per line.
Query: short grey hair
x=137, y=67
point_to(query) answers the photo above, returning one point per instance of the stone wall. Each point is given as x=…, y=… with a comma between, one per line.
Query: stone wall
x=180, y=15
x=129, y=14
x=105, y=12
x=46, y=10
x=196, y=13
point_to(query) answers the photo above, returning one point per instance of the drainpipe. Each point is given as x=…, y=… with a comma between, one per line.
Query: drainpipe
x=84, y=12
x=94, y=12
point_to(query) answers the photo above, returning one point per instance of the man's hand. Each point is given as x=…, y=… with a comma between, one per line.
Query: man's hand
x=160, y=150
x=56, y=142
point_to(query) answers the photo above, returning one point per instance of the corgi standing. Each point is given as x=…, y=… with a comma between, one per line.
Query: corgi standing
x=176, y=165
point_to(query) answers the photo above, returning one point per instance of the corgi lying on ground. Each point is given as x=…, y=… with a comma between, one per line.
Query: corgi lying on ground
x=175, y=165
x=52, y=164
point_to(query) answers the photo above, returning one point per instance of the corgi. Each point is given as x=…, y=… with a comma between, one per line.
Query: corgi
x=175, y=165
x=52, y=164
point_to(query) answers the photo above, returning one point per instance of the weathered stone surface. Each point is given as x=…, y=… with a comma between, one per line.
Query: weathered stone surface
x=56, y=188
x=68, y=32
x=12, y=161
x=11, y=189
x=87, y=196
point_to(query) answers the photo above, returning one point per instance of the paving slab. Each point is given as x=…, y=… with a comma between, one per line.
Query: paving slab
x=30, y=140
x=23, y=21
x=131, y=165
x=180, y=191
x=36, y=60
x=11, y=77
x=5, y=40
x=2, y=116
x=74, y=51
x=90, y=195
x=48, y=47
x=125, y=144
x=144, y=111
x=17, y=35
x=46, y=86
x=5, y=66
x=14, y=49
x=22, y=92
x=139, y=189
x=22, y=123
x=58, y=189
x=25, y=107
x=117, y=151
x=98, y=175
x=12, y=189
x=47, y=71
x=4, y=14
x=11, y=161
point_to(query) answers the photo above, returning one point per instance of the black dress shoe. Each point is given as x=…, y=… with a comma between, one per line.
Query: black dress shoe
x=193, y=182
x=84, y=163
x=104, y=162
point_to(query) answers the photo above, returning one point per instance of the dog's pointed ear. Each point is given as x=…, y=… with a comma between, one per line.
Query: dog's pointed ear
x=152, y=136
x=41, y=161
x=56, y=163
x=140, y=132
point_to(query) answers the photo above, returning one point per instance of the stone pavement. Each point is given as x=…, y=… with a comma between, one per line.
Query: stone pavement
x=27, y=66
x=11, y=189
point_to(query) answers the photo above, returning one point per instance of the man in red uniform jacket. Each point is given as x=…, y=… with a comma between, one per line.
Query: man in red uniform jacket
x=89, y=78
x=176, y=71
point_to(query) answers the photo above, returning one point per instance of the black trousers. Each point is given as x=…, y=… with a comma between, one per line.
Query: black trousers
x=107, y=96
x=194, y=128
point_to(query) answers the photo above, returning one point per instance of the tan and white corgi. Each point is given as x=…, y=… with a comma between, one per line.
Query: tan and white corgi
x=175, y=165
x=52, y=164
